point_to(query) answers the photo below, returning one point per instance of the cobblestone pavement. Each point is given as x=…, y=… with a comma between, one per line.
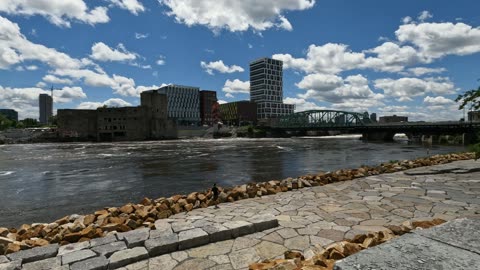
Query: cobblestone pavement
x=312, y=218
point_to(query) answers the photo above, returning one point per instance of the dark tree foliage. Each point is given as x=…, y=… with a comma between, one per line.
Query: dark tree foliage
x=471, y=97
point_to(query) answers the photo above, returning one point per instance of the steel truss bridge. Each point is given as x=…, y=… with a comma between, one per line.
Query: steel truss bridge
x=351, y=122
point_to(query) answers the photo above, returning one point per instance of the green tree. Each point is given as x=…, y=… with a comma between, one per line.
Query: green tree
x=471, y=101
x=5, y=122
x=30, y=122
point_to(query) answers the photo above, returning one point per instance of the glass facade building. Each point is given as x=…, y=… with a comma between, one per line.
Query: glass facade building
x=46, y=108
x=183, y=103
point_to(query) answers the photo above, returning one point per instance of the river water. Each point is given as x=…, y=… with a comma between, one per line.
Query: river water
x=43, y=182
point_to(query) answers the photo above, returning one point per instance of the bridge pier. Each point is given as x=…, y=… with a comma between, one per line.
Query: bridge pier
x=378, y=136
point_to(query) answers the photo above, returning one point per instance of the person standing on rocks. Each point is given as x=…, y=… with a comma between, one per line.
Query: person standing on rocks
x=215, y=195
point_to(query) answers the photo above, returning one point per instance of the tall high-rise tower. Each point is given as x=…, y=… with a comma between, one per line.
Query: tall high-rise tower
x=266, y=88
x=46, y=108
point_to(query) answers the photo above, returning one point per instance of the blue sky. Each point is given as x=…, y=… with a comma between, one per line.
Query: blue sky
x=390, y=57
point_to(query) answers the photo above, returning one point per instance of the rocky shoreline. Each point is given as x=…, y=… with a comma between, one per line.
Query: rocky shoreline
x=80, y=228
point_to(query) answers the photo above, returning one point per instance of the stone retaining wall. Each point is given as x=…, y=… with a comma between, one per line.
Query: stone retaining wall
x=120, y=249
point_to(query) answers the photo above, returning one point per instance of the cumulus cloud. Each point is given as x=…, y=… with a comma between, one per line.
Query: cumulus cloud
x=406, y=88
x=102, y=52
x=302, y=105
x=161, y=60
x=219, y=66
x=53, y=79
x=236, y=86
x=420, y=71
x=25, y=100
x=134, y=6
x=113, y=102
x=437, y=100
x=424, y=15
x=15, y=48
x=222, y=101
x=334, y=89
x=242, y=15
x=435, y=40
x=58, y=12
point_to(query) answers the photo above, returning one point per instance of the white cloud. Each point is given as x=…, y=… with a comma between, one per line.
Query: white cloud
x=15, y=48
x=134, y=6
x=229, y=95
x=141, y=36
x=236, y=86
x=58, y=12
x=419, y=71
x=219, y=66
x=234, y=15
x=328, y=58
x=302, y=105
x=53, y=79
x=250, y=46
x=41, y=85
x=406, y=88
x=391, y=57
x=222, y=101
x=424, y=15
x=433, y=101
x=161, y=60
x=407, y=20
x=435, y=40
x=25, y=100
x=102, y=52
x=334, y=89
x=31, y=67
x=113, y=102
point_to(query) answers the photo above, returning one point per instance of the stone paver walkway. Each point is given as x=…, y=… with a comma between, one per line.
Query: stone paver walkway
x=312, y=218
x=453, y=245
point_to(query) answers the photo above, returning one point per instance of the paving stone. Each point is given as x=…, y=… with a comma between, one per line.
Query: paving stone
x=263, y=222
x=77, y=256
x=141, y=265
x=96, y=263
x=242, y=258
x=273, y=237
x=239, y=228
x=179, y=255
x=192, y=238
x=269, y=250
x=73, y=247
x=411, y=251
x=219, y=259
x=4, y=259
x=35, y=254
x=222, y=267
x=162, y=245
x=127, y=256
x=287, y=233
x=135, y=238
x=103, y=240
x=217, y=232
x=164, y=262
x=14, y=265
x=46, y=264
x=109, y=249
x=463, y=233
x=244, y=242
x=199, y=264
x=182, y=226
x=298, y=243
x=218, y=248
x=316, y=240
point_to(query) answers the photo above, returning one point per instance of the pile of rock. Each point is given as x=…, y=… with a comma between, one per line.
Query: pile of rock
x=79, y=228
x=325, y=260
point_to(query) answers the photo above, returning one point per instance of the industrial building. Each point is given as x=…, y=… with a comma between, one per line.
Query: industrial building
x=46, y=108
x=266, y=88
x=10, y=114
x=183, y=103
x=393, y=119
x=238, y=113
x=208, y=100
x=147, y=121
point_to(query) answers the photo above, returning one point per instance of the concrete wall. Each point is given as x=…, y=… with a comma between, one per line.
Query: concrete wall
x=123, y=124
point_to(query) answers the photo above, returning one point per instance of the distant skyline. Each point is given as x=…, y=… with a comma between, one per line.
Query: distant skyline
x=407, y=57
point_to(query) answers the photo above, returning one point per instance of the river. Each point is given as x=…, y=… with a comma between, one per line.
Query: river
x=43, y=182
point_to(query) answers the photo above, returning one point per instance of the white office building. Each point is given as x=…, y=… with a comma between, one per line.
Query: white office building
x=183, y=103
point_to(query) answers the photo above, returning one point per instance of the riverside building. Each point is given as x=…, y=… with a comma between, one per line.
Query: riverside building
x=46, y=108
x=183, y=103
x=266, y=88
x=208, y=99
x=238, y=113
